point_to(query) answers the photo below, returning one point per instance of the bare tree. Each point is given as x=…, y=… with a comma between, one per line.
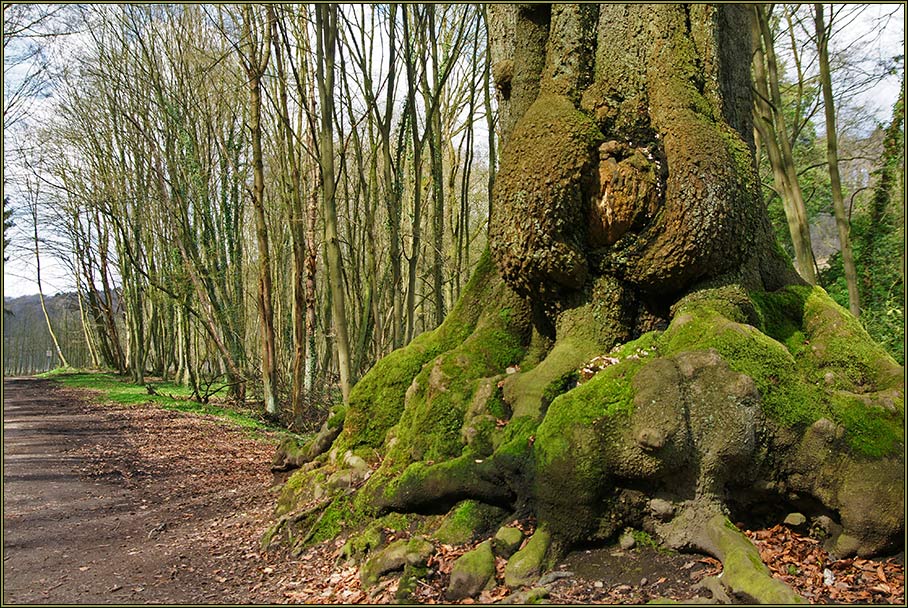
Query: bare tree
x=832, y=156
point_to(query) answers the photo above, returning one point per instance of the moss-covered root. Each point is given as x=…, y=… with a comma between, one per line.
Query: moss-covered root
x=526, y=565
x=292, y=455
x=743, y=572
x=430, y=487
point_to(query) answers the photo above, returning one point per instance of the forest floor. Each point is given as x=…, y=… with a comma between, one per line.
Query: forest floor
x=104, y=503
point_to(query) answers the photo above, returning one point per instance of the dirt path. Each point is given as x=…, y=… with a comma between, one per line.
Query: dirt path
x=131, y=505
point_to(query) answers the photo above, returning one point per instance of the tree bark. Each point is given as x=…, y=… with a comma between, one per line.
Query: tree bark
x=832, y=158
x=295, y=214
x=256, y=57
x=774, y=133
x=50, y=327
x=326, y=25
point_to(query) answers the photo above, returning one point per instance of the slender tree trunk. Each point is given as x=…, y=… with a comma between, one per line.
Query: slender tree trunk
x=256, y=63
x=832, y=158
x=326, y=26
x=305, y=84
x=769, y=100
x=433, y=134
x=87, y=325
x=417, y=143
x=296, y=228
x=490, y=116
x=392, y=180
x=50, y=327
x=109, y=302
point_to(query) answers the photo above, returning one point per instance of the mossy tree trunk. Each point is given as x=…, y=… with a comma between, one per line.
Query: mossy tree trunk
x=628, y=243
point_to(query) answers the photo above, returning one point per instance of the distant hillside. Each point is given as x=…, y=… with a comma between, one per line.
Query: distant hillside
x=27, y=345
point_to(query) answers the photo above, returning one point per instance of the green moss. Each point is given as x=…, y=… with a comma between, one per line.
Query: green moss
x=472, y=572
x=573, y=448
x=839, y=342
x=643, y=539
x=644, y=346
x=525, y=391
x=810, y=355
x=336, y=418
x=396, y=556
x=468, y=520
x=410, y=578
x=377, y=400
x=785, y=396
x=812, y=325
x=292, y=450
x=558, y=386
x=512, y=442
x=430, y=425
x=372, y=536
x=507, y=540
x=497, y=406
x=781, y=316
x=743, y=571
x=871, y=431
x=536, y=352
x=396, y=522
x=300, y=488
x=483, y=430
x=568, y=427
x=729, y=301
x=360, y=544
x=337, y=516
x=528, y=563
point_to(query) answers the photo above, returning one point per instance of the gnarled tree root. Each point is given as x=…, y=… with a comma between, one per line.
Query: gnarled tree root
x=744, y=574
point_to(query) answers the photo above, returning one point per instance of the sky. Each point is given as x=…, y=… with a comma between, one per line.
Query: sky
x=19, y=270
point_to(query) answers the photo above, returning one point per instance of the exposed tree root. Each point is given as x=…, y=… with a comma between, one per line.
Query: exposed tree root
x=744, y=574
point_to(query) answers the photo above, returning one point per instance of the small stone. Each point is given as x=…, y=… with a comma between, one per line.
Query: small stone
x=795, y=520
x=844, y=545
x=627, y=541
x=472, y=572
x=825, y=427
x=395, y=556
x=598, y=584
x=650, y=438
x=355, y=462
x=824, y=526
x=506, y=541
x=661, y=509
x=828, y=577
x=644, y=581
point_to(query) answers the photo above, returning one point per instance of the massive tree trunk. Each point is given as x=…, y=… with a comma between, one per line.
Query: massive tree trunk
x=633, y=350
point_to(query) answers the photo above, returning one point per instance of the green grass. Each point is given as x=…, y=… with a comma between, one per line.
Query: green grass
x=170, y=396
